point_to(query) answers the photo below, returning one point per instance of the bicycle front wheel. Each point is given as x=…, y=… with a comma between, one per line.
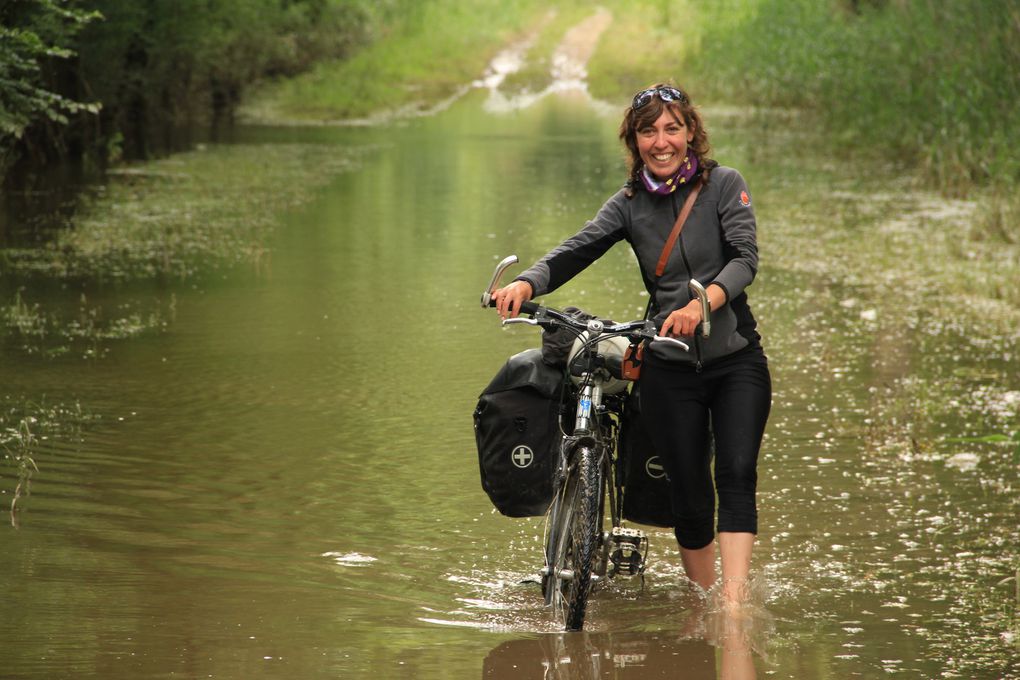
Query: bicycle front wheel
x=577, y=542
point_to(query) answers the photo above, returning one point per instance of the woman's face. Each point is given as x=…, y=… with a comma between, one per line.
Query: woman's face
x=663, y=145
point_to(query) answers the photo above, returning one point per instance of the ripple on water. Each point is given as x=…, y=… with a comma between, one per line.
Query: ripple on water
x=352, y=559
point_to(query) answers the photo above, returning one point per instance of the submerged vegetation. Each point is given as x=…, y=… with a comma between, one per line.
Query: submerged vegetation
x=17, y=444
x=22, y=425
x=88, y=330
x=176, y=218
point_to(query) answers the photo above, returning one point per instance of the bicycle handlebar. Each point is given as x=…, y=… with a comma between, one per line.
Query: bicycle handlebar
x=642, y=329
x=547, y=316
x=496, y=275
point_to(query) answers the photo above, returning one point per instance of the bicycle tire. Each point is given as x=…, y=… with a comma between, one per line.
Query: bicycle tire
x=574, y=541
x=584, y=537
x=556, y=545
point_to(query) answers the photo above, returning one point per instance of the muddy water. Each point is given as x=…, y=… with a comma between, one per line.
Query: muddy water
x=282, y=481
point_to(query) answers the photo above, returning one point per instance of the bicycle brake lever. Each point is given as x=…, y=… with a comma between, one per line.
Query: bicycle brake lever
x=672, y=341
x=518, y=319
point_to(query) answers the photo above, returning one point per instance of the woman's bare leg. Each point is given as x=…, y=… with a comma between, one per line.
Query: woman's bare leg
x=735, y=549
x=699, y=564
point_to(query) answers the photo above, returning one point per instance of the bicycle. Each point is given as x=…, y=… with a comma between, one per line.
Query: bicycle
x=578, y=552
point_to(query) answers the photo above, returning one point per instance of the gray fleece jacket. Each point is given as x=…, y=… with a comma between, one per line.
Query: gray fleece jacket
x=717, y=245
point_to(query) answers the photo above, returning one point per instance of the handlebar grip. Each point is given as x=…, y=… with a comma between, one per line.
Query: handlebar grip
x=527, y=307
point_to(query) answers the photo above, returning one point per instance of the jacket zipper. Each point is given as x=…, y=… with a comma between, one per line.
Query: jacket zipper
x=690, y=275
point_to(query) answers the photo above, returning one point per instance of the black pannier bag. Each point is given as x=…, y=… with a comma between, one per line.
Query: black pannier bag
x=518, y=435
x=646, y=496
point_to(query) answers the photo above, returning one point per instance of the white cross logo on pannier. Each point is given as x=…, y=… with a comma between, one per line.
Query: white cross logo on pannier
x=522, y=456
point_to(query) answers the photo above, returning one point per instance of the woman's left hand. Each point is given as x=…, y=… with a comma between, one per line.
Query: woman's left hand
x=682, y=322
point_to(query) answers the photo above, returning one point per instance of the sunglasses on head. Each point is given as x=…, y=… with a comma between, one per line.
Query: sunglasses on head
x=666, y=94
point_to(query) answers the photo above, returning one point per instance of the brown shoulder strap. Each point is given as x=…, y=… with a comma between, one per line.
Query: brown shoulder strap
x=677, y=228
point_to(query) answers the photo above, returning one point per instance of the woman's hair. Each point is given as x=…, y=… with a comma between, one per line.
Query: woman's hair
x=634, y=120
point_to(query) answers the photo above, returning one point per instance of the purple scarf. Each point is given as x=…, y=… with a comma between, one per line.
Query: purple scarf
x=688, y=167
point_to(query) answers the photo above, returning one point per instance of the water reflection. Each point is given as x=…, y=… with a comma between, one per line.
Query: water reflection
x=601, y=655
x=709, y=645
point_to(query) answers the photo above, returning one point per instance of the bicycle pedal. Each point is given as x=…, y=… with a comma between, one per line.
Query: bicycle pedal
x=629, y=548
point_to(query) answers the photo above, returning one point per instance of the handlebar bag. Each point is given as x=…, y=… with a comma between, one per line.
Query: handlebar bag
x=518, y=435
x=647, y=492
x=557, y=342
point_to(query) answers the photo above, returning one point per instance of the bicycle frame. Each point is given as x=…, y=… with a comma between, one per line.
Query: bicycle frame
x=591, y=444
x=577, y=550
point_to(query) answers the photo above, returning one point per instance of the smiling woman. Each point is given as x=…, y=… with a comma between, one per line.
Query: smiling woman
x=667, y=127
x=663, y=148
x=310, y=480
x=724, y=384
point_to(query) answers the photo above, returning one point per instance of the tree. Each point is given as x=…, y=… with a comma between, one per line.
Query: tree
x=33, y=35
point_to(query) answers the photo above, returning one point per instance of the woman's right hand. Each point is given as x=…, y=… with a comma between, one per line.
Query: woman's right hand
x=682, y=322
x=509, y=298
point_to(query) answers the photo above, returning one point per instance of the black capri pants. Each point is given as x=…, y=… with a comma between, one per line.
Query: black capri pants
x=731, y=397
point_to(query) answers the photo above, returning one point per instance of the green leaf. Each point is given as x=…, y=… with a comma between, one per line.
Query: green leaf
x=987, y=439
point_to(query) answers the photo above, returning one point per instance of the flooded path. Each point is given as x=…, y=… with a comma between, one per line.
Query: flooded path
x=279, y=479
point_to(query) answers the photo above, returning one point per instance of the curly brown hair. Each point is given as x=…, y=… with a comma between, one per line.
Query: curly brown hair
x=634, y=120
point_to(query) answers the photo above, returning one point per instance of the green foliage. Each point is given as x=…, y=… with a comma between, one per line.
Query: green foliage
x=33, y=34
x=155, y=65
x=166, y=63
x=933, y=82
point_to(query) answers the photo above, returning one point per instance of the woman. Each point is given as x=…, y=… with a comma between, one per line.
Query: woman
x=723, y=384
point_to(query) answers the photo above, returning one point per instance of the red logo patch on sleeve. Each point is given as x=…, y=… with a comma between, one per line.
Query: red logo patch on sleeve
x=745, y=200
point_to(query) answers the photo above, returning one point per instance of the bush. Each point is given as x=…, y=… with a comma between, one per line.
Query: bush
x=932, y=82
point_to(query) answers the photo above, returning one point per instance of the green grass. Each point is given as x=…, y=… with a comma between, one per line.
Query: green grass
x=425, y=59
x=649, y=41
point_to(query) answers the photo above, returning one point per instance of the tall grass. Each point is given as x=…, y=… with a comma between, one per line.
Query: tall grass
x=936, y=83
